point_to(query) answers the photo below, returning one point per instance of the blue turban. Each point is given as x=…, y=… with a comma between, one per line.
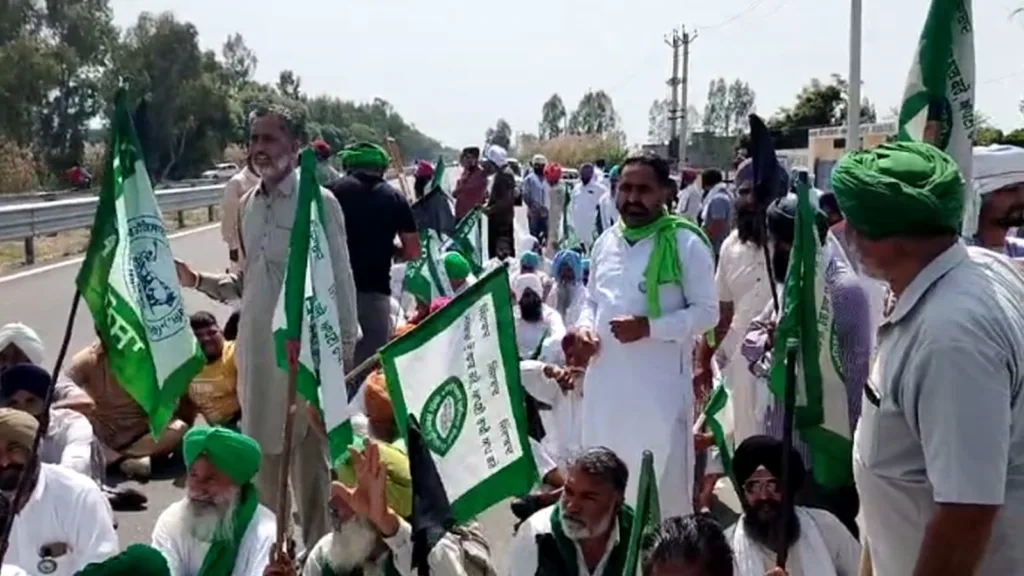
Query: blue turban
x=570, y=259
x=586, y=264
x=530, y=260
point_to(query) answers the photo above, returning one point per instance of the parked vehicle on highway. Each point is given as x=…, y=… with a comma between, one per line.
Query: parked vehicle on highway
x=221, y=171
x=570, y=176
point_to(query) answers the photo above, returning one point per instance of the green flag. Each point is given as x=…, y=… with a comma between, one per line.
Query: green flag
x=438, y=180
x=719, y=417
x=458, y=374
x=938, y=100
x=470, y=239
x=647, y=513
x=129, y=282
x=307, y=312
x=821, y=414
x=425, y=278
x=567, y=239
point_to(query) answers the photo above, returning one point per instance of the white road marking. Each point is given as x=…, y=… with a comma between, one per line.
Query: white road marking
x=79, y=259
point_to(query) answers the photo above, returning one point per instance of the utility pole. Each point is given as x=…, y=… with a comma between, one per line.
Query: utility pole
x=679, y=38
x=853, y=141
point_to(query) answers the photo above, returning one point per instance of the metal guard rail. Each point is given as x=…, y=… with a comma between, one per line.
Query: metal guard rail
x=27, y=221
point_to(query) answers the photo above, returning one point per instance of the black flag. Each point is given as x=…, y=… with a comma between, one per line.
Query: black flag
x=770, y=180
x=431, y=511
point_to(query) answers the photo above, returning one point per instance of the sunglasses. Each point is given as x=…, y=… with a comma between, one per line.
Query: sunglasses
x=760, y=486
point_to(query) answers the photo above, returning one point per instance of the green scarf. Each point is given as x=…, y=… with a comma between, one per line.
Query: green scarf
x=567, y=548
x=663, y=265
x=220, y=558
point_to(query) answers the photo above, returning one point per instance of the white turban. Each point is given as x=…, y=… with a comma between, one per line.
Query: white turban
x=524, y=281
x=497, y=155
x=538, y=159
x=25, y=339
x=994, y=167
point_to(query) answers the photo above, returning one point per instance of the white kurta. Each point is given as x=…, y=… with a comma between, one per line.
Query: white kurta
x=741, y=278
x=639, y=396
x=583, y=210
x=185, y=554
x=67, y=508
x=577, y=299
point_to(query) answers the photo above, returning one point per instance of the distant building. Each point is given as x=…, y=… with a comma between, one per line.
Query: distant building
x=826, y=145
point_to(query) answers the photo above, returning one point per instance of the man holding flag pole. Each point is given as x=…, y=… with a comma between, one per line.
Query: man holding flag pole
x=268, y=216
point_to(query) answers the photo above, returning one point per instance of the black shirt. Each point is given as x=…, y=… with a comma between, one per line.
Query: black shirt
x=374, y=213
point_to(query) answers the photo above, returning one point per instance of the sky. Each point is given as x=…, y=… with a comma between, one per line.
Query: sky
x=453, y=68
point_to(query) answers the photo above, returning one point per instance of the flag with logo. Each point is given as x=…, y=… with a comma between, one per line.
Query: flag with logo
x=457, y=373
x=307, y=313
x=646, y=513
x=426, y=278
x=938, y=100
x=821, y=415
x=129, y=282
x=470, y=239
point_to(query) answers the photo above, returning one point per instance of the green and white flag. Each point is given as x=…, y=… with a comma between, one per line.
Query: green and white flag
x=458, y=374
x=567, y=239
x=438, y=181
x=719, y=417
x=821, y=413
x=470, y=239
x=938, y=100
x=426, y=278
x=307, y=313
x=129, y=282
x=646, y=513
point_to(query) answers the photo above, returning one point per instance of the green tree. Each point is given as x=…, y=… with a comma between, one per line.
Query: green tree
x=552, y=118
x=716, y=109
x=738, y=106
x=289, y=85
x=659, y=125
x=595, y=115
x=190, y=115
x=239, y=61
x=500, y=135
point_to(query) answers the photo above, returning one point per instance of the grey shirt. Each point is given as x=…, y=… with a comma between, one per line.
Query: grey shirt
x=942, y=418
x=266, y=219
x=718, y=206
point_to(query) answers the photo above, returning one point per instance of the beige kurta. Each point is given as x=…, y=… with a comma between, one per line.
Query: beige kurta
x=265, y=225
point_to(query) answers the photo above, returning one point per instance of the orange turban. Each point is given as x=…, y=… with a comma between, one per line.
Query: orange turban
x=376, y=398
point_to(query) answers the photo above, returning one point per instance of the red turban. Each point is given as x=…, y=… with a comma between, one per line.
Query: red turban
x=424, y=169
x=552, y=173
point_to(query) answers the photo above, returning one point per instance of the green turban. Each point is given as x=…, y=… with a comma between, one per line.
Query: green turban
x=233, y=453
x=900, y=189
x=136, y=560
x=456, y=266
x=613, y=174
x=364, y=155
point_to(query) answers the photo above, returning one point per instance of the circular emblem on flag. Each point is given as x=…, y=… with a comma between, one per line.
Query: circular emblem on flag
x=151, y=276
x=444, y=415
x=47, y=566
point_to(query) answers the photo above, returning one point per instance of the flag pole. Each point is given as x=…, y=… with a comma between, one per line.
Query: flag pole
x=789, y=403
x=283, y=502
x=396, y=162
x=44, y=425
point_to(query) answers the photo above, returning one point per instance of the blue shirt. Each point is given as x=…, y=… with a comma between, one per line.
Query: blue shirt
x=534, y=191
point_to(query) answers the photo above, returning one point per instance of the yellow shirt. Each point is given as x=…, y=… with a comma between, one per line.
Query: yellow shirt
x=215, y=390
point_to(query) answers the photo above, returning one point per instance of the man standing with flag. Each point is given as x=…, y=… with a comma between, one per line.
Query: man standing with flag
x=652, y=293
x=939, y=450
x=268, y=214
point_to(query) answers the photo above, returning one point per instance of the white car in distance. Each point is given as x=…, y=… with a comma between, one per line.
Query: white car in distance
x=222, y=171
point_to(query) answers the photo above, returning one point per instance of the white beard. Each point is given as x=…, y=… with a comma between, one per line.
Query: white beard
x=563, y=297
x=352, y=545
x=577, y=531
x=210, y=522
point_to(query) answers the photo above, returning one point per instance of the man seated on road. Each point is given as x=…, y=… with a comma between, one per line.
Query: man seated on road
x=536, y=322
x=816, y=539
x=591, y=523
x=20, y=344
x=65, y=522
x=369, y=508
x=214, y=391
x=118, y=421
x=691, y=544
x=219, y=527
x=136, y=560
x=69, y=441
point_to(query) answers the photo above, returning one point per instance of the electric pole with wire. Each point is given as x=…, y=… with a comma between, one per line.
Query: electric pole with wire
x=679, y=38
